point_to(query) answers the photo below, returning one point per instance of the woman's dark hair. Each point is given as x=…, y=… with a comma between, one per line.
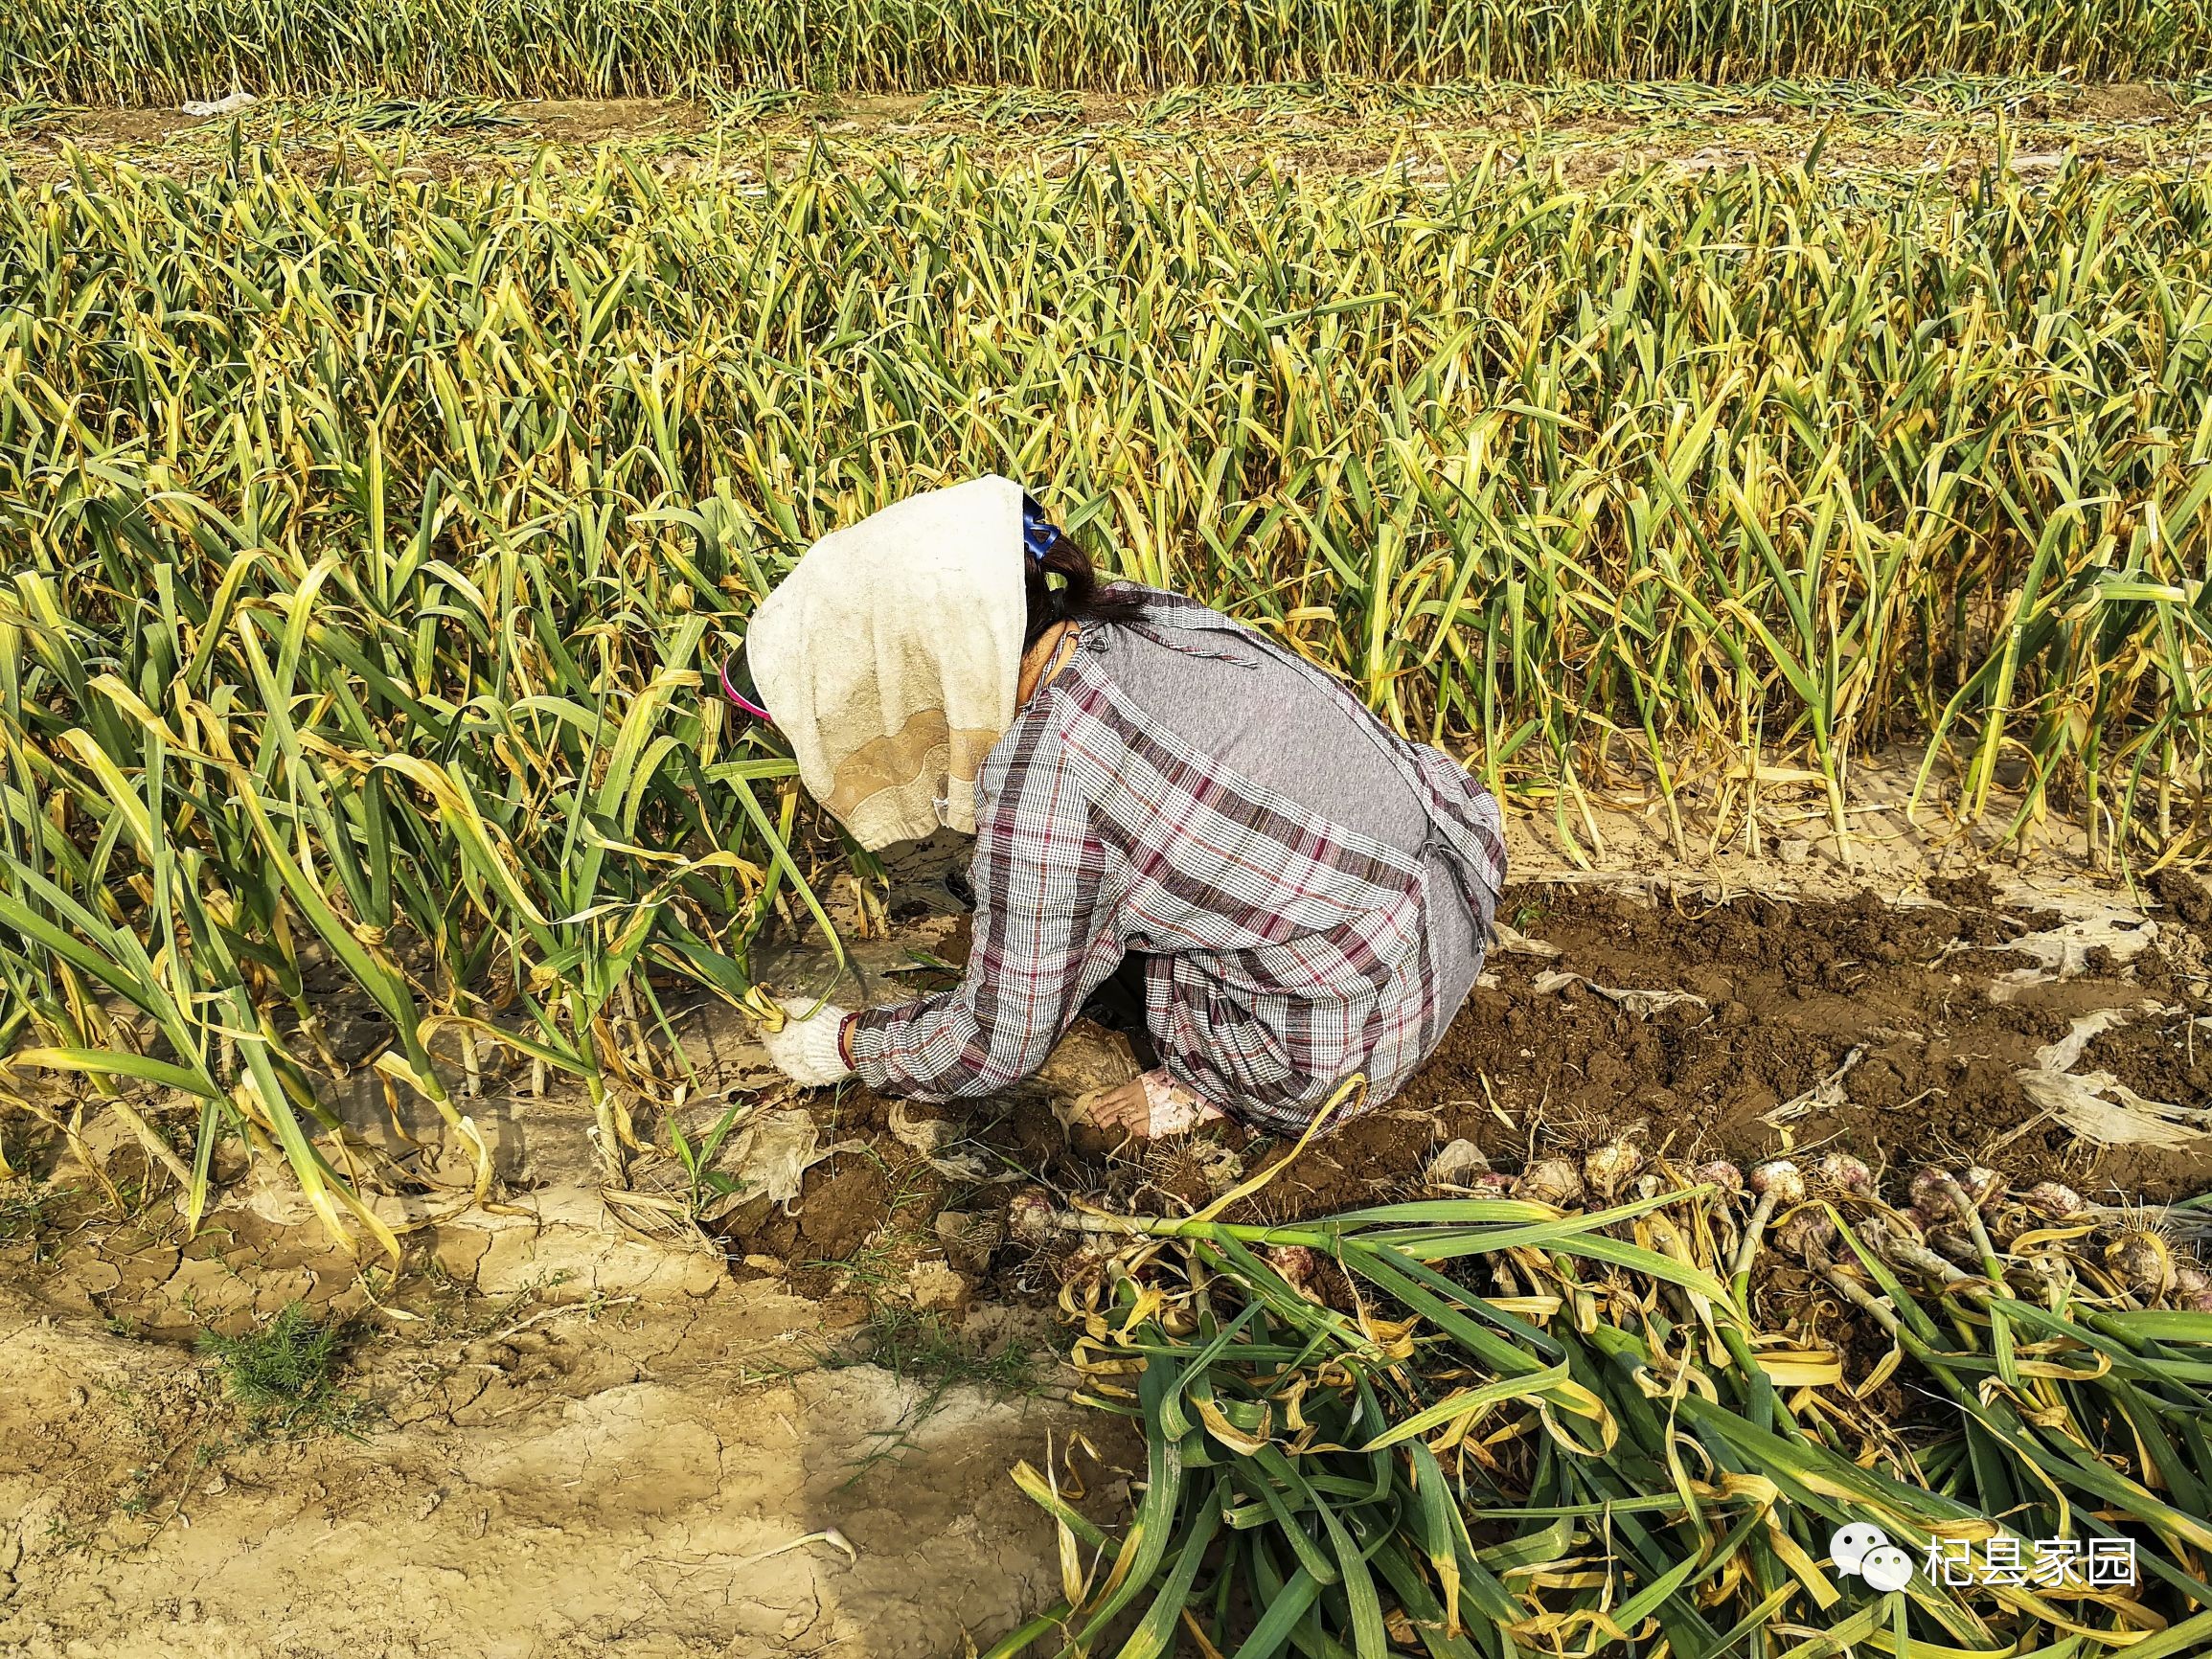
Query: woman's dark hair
x=1079, y=596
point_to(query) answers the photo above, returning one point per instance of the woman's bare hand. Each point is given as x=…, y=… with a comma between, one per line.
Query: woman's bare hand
x=1126, y=1110
x=1149, y=1107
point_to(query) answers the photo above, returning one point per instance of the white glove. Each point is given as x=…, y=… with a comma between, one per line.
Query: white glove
x=805, y=1049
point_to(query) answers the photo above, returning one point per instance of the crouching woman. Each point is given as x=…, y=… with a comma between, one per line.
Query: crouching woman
x=1161, y=800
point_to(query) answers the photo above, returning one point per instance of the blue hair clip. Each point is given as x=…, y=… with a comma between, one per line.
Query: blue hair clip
x=1038, y=534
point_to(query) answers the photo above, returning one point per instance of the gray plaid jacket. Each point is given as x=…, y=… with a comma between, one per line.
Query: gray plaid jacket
x=1287, y=951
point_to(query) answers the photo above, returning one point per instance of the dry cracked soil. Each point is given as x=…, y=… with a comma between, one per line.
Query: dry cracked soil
x=646, y=1479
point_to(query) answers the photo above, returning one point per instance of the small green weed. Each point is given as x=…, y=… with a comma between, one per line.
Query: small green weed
x=284, y=1373
x=918, y=1347
x=697, y=1161
x=23, y=1211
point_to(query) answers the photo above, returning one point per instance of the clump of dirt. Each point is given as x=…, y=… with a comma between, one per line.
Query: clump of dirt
x=2185, y=896
x=2164, y=1056
x=852, y=1202
x=1972, y=891
x=844, y=1207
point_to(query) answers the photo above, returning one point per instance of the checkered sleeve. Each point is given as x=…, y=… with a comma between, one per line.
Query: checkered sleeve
x=1043, y=935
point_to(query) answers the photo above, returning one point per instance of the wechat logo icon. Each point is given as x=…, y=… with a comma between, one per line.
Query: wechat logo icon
x=1863, y=1551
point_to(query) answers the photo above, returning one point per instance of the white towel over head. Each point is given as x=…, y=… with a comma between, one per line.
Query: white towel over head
x=890, y=655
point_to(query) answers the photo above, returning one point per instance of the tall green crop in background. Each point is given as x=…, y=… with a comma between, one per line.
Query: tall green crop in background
x=371, y=541
x=166, y=49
